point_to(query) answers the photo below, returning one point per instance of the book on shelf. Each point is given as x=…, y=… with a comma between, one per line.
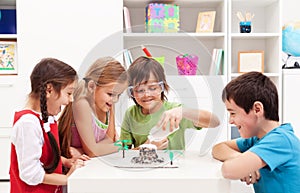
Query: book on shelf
x=206, y=21
x=216, y=66
x=127, y=58
x=127, y=21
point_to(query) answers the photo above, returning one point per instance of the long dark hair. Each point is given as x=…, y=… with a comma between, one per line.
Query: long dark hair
x=59, y=75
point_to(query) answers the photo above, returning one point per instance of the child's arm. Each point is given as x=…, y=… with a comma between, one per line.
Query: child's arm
x=111, y=131
x=69, y=162
x=83, y=121
x=243, y=166
x=200, y=118
x=76, y=152
x=237, y=165
x=225, y=150
x=61, y=179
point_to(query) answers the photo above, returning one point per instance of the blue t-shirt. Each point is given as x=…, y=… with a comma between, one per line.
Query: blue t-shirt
x=280, y=150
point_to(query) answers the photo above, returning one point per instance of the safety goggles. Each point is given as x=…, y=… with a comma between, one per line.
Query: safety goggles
x=152, y=89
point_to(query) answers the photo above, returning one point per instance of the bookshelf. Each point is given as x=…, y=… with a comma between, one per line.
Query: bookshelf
x=192, y=91
x=186, y=41
x=8, y=39
x=265, y=35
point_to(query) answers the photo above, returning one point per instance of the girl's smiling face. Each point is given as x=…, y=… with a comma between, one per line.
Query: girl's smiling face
x=107, y=95
x=55, y=101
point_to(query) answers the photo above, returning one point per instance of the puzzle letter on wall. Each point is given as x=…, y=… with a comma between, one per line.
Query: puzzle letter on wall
x=162, y=17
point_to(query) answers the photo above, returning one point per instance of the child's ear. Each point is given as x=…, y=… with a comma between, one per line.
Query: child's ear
x=49, y=89
x=91, y=86
x=258, y=107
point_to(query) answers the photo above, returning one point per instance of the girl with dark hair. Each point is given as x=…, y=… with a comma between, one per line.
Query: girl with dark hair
x=36, y=163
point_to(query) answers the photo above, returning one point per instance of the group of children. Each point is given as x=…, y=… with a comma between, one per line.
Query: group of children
x=45, y=151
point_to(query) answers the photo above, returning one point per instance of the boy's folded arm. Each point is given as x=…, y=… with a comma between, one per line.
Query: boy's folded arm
x=242, y=165
x=225, y=150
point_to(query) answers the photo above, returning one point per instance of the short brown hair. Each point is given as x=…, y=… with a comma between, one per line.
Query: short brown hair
x=250, y=87
x=141, y=69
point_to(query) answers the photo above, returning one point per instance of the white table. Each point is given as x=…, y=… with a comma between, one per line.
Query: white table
x=194, y=174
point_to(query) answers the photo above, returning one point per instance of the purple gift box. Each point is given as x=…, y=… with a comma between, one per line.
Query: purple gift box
x=187, y=64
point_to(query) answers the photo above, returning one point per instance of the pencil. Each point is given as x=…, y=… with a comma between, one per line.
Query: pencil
x=146, y=51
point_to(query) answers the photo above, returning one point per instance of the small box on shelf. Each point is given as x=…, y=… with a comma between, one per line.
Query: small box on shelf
x=162, y=17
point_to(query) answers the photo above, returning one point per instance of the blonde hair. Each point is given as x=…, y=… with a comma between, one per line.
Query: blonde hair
x=103, y=71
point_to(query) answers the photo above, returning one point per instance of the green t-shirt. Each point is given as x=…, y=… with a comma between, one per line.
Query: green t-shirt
x=136, y=126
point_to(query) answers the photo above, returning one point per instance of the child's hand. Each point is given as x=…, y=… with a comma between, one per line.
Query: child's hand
x=77, y=164
x=172, y=116
x=75, y=153
x=71, y=161
x=162, y=144
x=84, y=157
x=252, y=178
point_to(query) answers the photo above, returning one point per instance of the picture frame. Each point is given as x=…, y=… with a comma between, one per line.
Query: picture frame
x=8, y=58
x=206, y=21
x=251, y=61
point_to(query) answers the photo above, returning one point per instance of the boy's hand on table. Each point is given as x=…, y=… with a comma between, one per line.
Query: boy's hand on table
x=252, y=178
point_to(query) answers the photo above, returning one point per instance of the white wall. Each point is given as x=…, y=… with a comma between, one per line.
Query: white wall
x=290, y=11
x=67, y=30
x=291, y=104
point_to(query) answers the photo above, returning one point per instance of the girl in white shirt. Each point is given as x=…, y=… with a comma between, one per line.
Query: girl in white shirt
x=36, y=164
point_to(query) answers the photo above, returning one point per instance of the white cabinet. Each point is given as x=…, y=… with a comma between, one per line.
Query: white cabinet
x=265, y=35
x=5, y=154
x=291, y=98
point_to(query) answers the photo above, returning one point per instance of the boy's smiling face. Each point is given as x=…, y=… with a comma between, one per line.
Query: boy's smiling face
x=149, y=102
x=247, y=124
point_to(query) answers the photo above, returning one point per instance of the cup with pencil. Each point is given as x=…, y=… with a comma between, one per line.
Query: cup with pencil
x=245, y=21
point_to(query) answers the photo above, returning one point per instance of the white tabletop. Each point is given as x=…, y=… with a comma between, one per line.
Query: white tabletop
x=190, y=173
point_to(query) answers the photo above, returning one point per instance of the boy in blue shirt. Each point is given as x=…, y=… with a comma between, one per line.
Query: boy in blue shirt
x=268, y=153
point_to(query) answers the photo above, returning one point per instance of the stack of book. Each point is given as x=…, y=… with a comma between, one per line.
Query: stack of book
x=216, y=66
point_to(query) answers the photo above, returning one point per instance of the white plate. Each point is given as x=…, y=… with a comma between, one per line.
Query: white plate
x=157, y=133
x=117, y=160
